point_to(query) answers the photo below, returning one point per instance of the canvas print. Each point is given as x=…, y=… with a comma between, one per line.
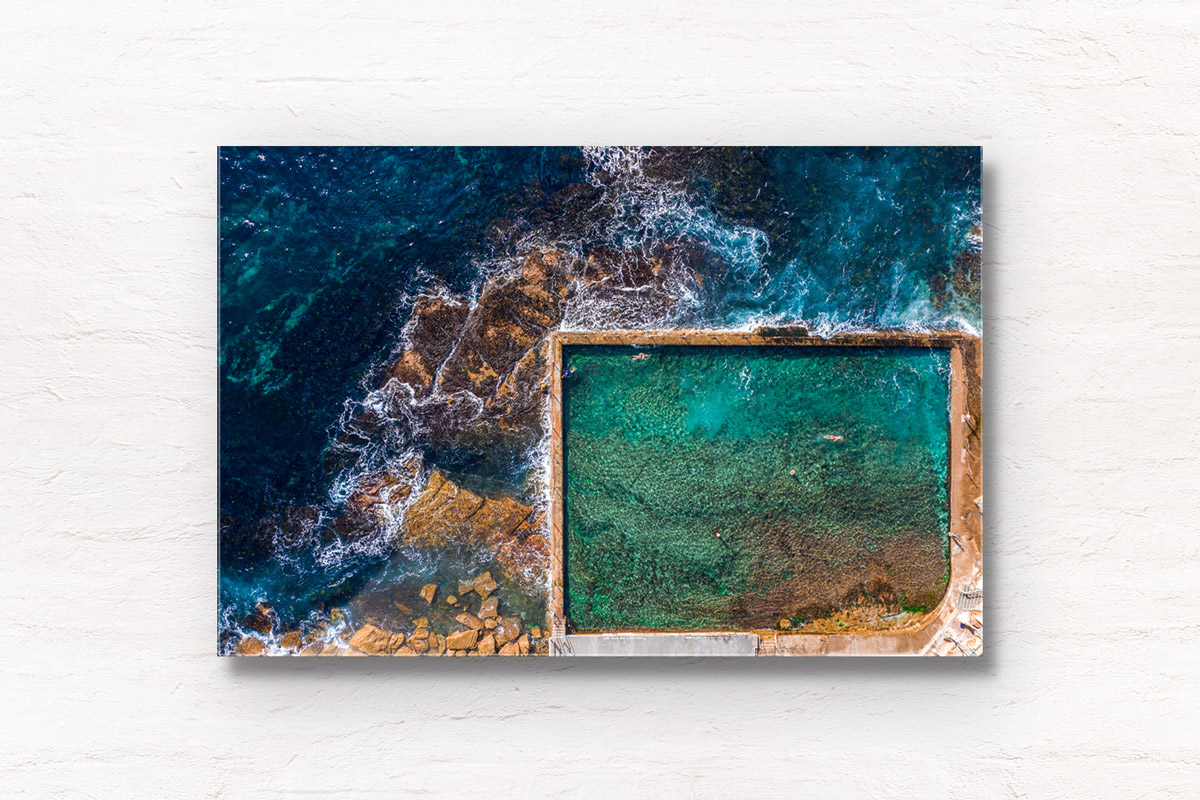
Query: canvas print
x=600, y=401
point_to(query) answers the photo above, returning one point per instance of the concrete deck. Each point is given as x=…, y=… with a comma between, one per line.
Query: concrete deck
x=656, y=644
x=966, y=517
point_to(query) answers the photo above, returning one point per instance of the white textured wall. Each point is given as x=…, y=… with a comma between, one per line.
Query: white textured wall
x=110, y=115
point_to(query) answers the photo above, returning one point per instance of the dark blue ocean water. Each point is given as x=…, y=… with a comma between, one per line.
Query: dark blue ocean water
x=324, y=250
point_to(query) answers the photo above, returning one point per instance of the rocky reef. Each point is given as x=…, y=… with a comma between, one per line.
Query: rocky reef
x=464, y=619
x=965, y=274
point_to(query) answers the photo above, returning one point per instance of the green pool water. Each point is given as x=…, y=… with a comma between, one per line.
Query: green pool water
x=664, y=453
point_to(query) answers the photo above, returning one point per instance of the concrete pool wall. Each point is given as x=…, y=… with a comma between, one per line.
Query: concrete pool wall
x=924, y=634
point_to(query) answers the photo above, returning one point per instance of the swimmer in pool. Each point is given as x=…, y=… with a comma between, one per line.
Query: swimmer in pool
x=833, y=438
x=640, y=356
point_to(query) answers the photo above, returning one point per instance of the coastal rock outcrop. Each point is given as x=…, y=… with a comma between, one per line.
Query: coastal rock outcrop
x=370, y=628
x=631, y=288
x=386, y=488
x=968, y=272
x=965, y=275
x=510, y=316
x=435, y=326
x=444, y=514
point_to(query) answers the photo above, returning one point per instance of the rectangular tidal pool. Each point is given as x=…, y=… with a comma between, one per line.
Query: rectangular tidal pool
x=750, y=487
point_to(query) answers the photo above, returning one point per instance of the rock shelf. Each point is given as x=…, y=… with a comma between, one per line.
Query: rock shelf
x=474, y=636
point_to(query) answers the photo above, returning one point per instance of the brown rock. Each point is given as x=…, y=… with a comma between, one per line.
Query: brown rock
x=440, y=643
x=610, y=273
x=462, y=640
x=444, y=514
x=490, y=623
x=421, y=622
x=519, y=401
x=523, y=645
x=510, y=315
x=262, y=619
x=420, y=633
x=485, y=584
x=487, y=645
x=381, y=489
x=251, y=647
x=469, y=620
x=968, y=269
x=403, y=609
x=451, y=600
x=526, y=554
x=291, y=641
x=510, y=649
x=418, y=645
x=785, y=623
x=427, y=592
x=508, y=630
x=536, y=633
x=489, y=608
x=406, y=651
x=376, y=641
x=459, y=652
x=313, y=649
x=435, y=326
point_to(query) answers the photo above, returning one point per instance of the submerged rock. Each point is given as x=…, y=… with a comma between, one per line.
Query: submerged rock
x=387, y=488
x=261, y=620
x=968, y=273
x=526, y=554
x=469, y=620
x=375, y=502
